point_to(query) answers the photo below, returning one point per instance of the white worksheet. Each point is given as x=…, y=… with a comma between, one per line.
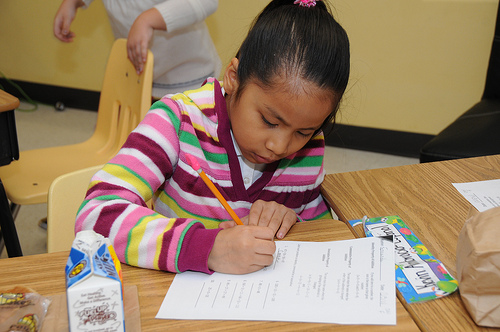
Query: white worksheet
x=344, y=282
x=483, y=195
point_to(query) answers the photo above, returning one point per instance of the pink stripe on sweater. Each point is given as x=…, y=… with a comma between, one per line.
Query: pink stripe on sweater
x=140, y=168
x=125, y=195
x=83, y=216
x=205, y=100
x=158, y=120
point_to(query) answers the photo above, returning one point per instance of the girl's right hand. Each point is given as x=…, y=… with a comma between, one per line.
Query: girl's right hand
x=242, y=249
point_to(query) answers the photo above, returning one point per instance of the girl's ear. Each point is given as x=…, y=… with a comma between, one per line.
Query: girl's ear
x=231, y=77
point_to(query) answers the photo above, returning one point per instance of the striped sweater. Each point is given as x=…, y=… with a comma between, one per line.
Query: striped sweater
x=179, y=233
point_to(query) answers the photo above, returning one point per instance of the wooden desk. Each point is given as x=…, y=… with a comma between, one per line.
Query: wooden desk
x=424, y=197
x=45, y=274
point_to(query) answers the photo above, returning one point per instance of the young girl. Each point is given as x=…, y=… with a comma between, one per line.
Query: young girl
x=259, y=139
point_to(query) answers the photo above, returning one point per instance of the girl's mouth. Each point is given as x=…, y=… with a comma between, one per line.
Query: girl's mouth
x=262, y=160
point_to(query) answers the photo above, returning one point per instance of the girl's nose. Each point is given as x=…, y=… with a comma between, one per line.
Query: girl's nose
x=278, y=144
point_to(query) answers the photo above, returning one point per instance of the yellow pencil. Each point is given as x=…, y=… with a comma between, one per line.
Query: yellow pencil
x=196, y=166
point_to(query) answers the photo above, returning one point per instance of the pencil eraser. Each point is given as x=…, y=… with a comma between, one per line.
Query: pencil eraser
x=192, y=162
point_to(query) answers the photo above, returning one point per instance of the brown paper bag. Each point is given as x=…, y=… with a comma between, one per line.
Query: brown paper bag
x=478, y=266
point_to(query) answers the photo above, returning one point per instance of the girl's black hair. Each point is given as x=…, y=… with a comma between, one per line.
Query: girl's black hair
x=288, y=39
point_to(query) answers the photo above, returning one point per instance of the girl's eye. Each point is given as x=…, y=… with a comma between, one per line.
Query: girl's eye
x=304, y=134
x=272, y=125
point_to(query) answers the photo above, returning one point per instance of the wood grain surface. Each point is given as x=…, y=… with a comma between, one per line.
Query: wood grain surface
x=8, y=102
x=424, y=197
x=45, y=274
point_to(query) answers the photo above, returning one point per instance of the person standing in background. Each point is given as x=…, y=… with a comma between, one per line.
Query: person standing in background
x=174, y=31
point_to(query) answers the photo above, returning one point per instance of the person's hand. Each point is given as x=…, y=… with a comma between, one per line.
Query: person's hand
x=273, y=215
x=138, y=42
x=63, y=19
x=140, y=35
x=242, y=249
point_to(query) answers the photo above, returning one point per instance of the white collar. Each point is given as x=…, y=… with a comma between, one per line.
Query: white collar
x=257, y=167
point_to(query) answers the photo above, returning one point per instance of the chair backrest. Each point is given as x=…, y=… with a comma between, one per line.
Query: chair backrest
x=66, y=194
x=125, y=97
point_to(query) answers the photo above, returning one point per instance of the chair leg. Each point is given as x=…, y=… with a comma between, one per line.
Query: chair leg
x=8, y=228
x=14, y=210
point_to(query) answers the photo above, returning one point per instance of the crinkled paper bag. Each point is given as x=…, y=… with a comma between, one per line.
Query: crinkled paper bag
x=478, y=266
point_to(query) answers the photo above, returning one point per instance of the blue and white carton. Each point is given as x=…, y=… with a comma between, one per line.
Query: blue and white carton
x=93, y=285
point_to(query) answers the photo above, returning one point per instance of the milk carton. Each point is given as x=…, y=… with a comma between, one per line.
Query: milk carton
x=93, y=285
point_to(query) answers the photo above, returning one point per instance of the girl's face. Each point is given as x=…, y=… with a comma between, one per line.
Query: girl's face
x=271, y=123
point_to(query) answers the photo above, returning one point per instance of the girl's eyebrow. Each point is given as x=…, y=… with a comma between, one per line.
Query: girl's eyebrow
x=279, y=118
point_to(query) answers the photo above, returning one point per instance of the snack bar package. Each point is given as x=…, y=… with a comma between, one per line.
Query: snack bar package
x=22, y=309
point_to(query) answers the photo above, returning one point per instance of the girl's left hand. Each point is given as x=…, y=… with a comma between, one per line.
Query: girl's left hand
x=271, y=214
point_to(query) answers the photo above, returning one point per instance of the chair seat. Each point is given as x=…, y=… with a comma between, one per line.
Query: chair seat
x=475, y=133
x=125, y=99
x=26, y=184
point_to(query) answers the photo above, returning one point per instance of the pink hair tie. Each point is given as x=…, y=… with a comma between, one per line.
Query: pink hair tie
x=305, y=3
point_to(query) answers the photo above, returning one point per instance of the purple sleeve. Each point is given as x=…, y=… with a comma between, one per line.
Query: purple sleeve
x=196, y=248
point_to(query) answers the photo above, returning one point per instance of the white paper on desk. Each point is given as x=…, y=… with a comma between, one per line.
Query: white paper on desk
x=483, y=195
x=344, y=282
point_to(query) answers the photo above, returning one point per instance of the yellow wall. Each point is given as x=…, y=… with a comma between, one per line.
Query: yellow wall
x=416, y=64
x=30, y=52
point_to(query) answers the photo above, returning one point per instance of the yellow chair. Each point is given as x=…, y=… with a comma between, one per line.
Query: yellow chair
x=125, y=99
x=65, y=196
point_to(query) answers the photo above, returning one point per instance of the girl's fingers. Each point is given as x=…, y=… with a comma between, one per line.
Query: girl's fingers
x=289, y=219
x=255, y=213
x=227, y=224
x=263, y=233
